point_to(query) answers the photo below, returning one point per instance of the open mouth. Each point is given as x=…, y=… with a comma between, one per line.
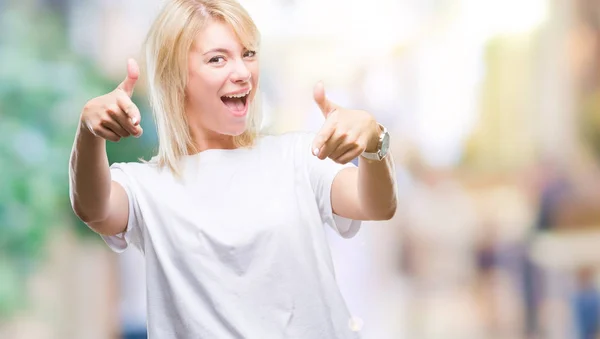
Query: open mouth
x=235, y=103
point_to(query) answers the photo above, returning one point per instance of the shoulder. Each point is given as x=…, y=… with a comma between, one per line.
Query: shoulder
x=138, y=170
x=150, y=165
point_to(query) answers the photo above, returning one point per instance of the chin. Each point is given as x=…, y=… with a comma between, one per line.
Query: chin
x=234, y=131
x=238, y=133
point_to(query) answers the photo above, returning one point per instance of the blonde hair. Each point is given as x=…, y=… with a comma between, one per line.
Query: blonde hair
x=167, y=48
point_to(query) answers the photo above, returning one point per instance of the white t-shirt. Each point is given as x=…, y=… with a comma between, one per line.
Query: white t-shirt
x=238, y=249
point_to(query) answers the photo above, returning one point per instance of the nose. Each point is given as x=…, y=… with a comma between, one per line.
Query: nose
x=240, y=73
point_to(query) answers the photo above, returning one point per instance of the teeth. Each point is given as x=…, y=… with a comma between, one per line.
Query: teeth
x=241, y=95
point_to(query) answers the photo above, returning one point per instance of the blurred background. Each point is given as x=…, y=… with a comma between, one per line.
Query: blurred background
x=494, y=110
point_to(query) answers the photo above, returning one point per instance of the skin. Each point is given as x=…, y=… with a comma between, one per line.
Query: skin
x=369, y=191
x=218, y=65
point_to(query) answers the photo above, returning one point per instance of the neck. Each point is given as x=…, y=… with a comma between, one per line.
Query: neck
x=205, y=139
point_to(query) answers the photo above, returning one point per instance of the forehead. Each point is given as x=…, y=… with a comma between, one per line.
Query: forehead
x=217, y=34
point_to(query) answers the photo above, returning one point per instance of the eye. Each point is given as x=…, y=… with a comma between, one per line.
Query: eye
x=217, y=59
x=249, y=54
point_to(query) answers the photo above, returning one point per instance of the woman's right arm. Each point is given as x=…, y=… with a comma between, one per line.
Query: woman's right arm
x=98, y=201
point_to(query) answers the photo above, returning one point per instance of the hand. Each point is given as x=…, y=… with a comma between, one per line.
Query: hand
x=114, y=116
x=346, y=133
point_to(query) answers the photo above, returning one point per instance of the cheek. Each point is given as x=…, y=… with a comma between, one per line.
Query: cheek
x=201, y=89
x=255, y=71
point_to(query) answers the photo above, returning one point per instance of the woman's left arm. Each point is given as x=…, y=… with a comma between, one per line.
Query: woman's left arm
x=369, y=191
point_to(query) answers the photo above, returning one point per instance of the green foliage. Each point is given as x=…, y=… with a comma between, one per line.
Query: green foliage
x=43, y=86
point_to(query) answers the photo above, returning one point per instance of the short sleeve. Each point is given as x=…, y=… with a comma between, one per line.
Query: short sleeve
x=321, y=174
x=132, y=234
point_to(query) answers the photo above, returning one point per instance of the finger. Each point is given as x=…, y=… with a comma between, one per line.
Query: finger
x=348, y=156
x=324, y=104
x=341, y=150
x=354, y=151
x=130, y=109
x=133, y=73
x=140, y=132
x=107, y=134
x=321, y=138
x=334, y=142
x=115, y=127
x=116, y=113
x=131, y=117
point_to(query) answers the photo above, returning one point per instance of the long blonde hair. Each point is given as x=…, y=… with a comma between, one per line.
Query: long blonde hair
x=167, y=48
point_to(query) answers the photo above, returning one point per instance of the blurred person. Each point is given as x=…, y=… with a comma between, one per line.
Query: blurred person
x=486, y=258
x=586, y=304
x=497, y=263
x=230, y=221
x=553, y=187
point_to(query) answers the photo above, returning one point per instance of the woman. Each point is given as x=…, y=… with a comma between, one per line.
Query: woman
x=230, y=222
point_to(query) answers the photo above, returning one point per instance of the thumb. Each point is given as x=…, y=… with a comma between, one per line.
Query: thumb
x=133, y=73
x=324, y=104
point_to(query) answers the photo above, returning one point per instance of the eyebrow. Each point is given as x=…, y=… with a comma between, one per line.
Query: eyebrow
x=217, y=50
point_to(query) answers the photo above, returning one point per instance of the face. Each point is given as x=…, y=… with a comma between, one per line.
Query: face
x=223, y=76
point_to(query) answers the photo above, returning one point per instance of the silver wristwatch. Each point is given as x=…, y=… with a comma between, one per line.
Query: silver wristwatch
x=383, y=146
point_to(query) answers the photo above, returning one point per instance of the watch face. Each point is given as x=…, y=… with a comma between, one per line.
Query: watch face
x=385, y=144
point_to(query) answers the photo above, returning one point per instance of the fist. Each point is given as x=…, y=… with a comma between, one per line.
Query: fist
x=114, y=116
x=346, y=133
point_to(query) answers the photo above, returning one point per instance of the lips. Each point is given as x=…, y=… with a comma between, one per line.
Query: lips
x=236, y=106
x=238, y=94
x=232, y=100
x=237, y=102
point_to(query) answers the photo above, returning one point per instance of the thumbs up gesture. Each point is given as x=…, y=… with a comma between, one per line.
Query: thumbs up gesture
x=346, y=133
x=114, y=116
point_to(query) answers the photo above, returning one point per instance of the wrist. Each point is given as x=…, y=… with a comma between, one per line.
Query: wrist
x=85, y=133
x=373, y=144
x=381, y=148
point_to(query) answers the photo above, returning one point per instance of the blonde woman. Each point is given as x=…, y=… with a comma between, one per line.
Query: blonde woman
x=230, y=222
